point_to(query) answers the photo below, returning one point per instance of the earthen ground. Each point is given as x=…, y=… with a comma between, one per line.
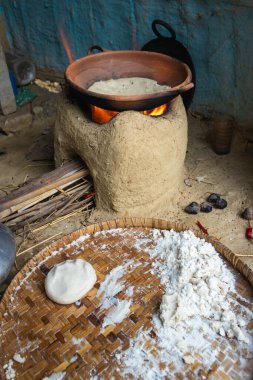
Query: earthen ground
x=230, y=175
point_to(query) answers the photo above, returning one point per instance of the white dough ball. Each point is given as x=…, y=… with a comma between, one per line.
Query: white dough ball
x=69, y=281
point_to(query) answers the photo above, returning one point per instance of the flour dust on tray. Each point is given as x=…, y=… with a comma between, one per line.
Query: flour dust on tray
x=127, y=86
x=196, y=309
x=108, y=290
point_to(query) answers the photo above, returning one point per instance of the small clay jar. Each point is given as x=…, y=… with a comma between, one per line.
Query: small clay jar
x=222, y=133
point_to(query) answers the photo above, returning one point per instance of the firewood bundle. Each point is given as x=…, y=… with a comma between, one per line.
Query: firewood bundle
x=56, y=195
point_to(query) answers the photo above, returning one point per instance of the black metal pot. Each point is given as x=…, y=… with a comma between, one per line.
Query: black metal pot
x=170, y=46
x=7, y=252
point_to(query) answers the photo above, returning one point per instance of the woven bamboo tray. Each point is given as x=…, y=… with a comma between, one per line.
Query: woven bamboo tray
x=51, y=335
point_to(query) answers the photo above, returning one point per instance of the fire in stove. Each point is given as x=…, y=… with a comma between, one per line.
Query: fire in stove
x=158, y=111
x=102, y=116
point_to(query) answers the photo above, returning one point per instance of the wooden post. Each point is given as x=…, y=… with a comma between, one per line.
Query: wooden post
x=7, y=98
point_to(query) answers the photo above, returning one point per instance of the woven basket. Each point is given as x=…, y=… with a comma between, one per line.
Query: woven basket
x=47, y=333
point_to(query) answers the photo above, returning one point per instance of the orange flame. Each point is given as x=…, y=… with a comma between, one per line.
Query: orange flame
x=66, y=46
x=102, y=116
x=158, y=111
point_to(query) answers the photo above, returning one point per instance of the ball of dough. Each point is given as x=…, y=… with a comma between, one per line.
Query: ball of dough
x=69, y=281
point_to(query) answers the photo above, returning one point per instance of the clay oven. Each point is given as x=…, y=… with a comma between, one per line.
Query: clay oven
x=136, y=160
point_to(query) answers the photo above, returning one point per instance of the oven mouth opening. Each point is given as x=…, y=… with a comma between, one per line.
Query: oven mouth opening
x=103, y=116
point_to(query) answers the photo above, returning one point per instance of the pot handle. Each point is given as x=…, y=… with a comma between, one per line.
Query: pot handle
x=96, y=47
x=166, y=26
x=187, y=87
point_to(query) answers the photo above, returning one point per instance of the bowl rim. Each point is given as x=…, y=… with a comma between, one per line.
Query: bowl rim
x=120, y=98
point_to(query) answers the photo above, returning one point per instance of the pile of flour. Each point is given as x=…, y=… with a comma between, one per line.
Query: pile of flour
x=196, y=305
x=127, y=86
x=197, y=283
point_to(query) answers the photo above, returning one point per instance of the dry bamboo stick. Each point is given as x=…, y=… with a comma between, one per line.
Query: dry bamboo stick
x=79, y=192
x=57, y=200
x=51, y=219
x=46, y=178
x=83, y=181
x=76, y=212
x=36, y=245
x=12, y=205
x=42, y=195
x=71, y=201
x=49, y=194
x=85, y=185
x=70, y=191
x=73, y=188
x=27, y=204
x=33, y=208
x=80, y=184
x=34, y=216
x=18, y=217
x=52, y=215
x=70, y=208
x=36, y=200
x=43, y=212
x=22, y=242
x=62, y=191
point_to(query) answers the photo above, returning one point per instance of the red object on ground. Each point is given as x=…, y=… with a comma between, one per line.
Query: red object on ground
x=249, y=234
x=202, y=228
x=90, y=195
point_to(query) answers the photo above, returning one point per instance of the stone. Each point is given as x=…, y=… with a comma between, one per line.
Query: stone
x=136, y=161
x=45, y=104
x=17, y=122
x=37, y=110
x=21, y=119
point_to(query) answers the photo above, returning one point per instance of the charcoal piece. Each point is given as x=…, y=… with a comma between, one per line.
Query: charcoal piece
x=248, y=213
x=193, y=208
x=213, y=198
x=206, y=207
x=221, y=204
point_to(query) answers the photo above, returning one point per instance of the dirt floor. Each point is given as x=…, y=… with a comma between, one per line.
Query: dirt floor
x=206, y=172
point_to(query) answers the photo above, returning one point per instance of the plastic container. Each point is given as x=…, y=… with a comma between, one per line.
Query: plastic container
x=13, y=82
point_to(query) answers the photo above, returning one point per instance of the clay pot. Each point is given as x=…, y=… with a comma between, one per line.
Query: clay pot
x=82, y=73
x=222, y=133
